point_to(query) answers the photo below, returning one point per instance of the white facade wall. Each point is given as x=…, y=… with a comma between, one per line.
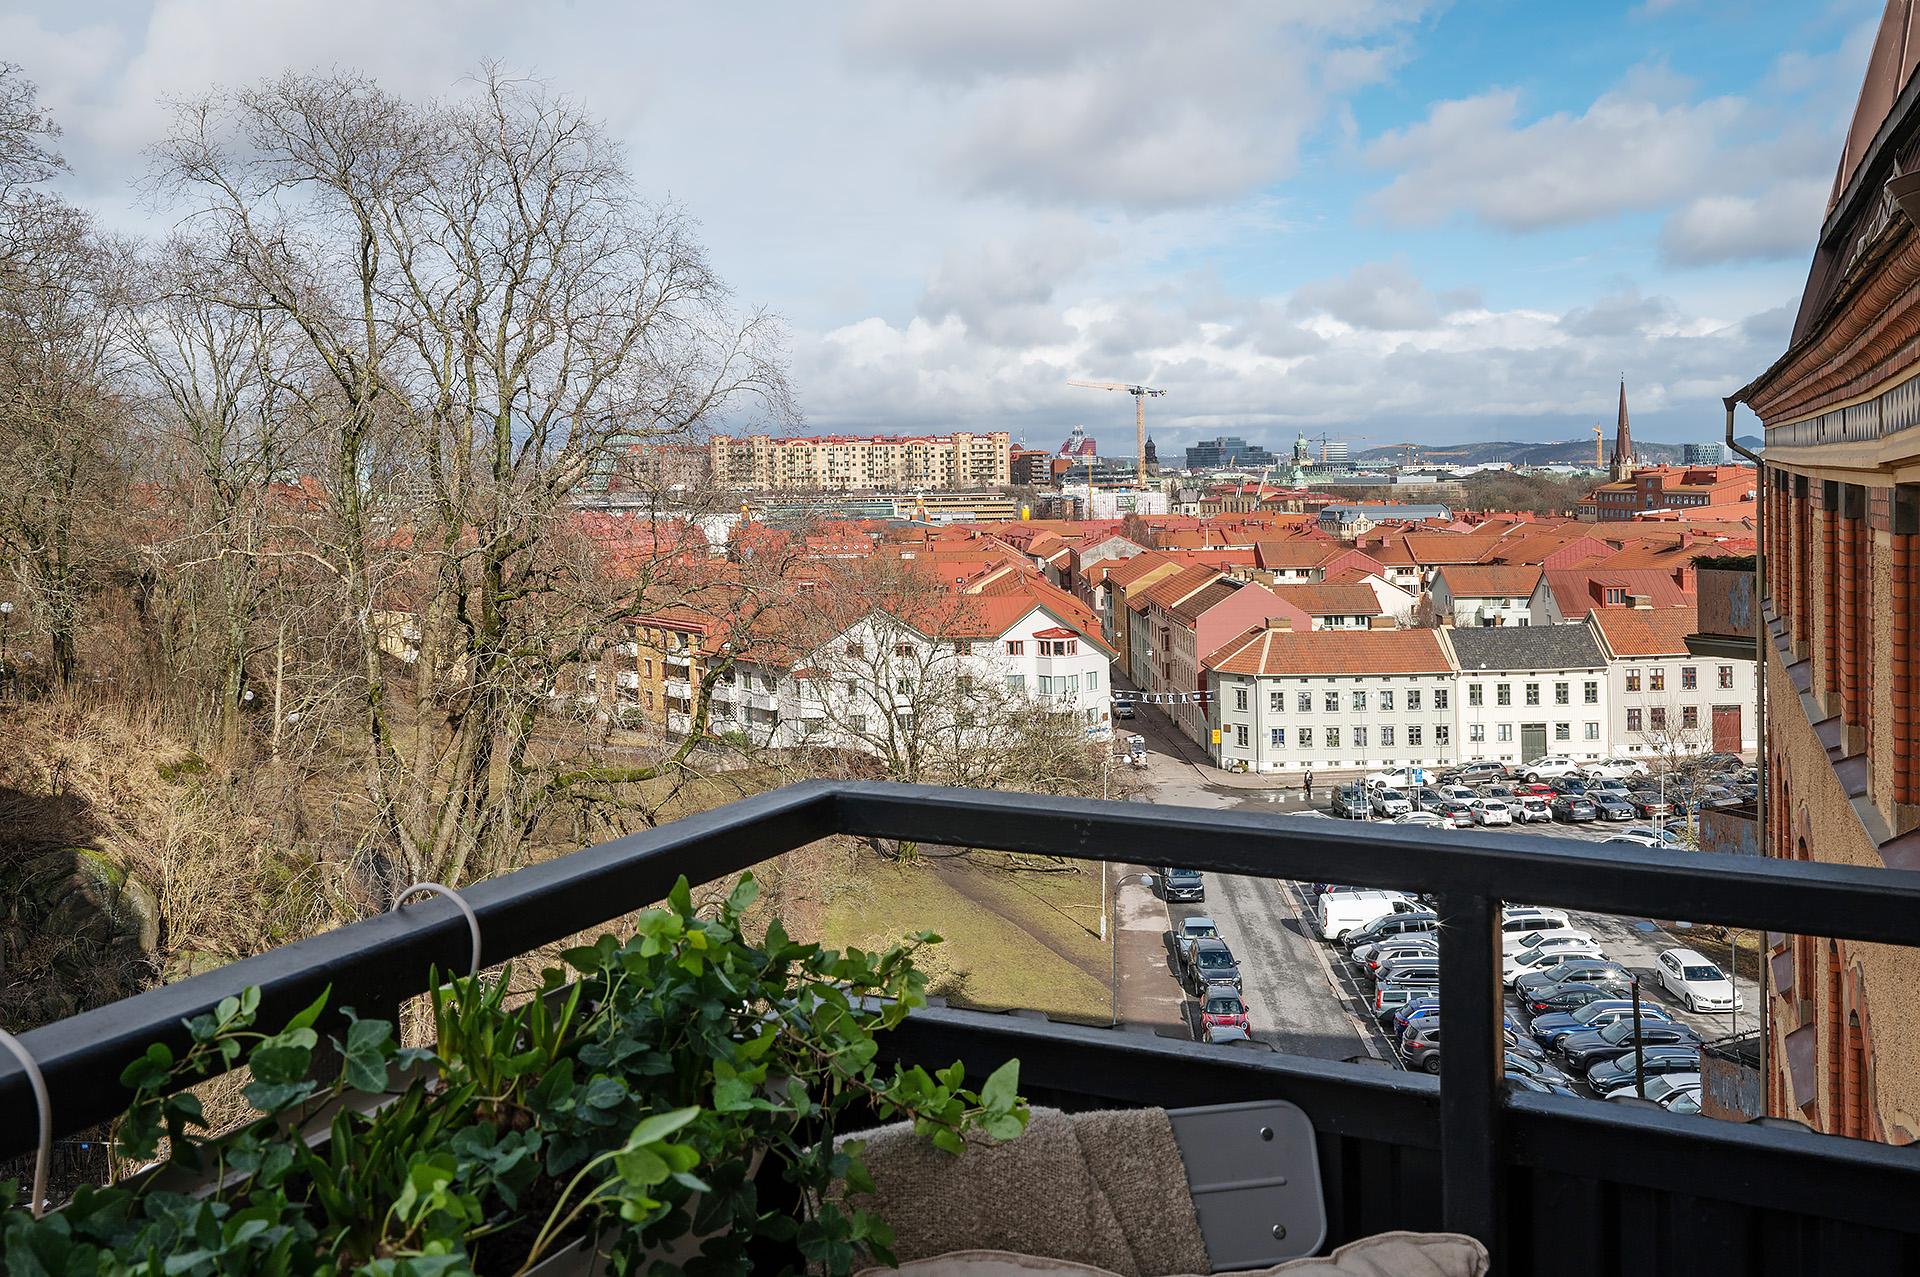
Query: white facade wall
x=1391, y=720
x=1472, y=610
x=1646, y=690
x=1569, y=707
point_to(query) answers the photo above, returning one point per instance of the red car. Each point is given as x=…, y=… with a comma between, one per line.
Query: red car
x=1222, y=1005
x=1539, y=789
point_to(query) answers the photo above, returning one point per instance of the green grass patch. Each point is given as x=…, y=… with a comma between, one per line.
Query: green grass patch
x=1011, y=940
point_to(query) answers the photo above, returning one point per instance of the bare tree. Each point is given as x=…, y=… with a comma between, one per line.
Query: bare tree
x=480, y=290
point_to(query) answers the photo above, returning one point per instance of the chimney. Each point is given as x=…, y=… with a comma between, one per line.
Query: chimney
x=1382, y=623
x=1280, y=623
x=1640, y=602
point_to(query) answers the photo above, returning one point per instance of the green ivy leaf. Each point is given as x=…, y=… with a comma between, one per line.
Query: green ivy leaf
x=1002, y=1090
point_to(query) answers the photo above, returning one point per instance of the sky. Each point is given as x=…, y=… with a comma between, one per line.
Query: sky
x=1378, y=220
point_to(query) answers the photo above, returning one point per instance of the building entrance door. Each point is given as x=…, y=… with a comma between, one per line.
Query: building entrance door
x=1726, y=729
x=1533, y=741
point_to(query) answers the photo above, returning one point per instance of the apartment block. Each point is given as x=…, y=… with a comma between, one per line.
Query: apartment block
x=860, y=463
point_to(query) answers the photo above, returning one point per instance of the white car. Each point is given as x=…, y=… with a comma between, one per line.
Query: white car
x=1520, y=919
x=1616, y=769
x=1636, y=840
x=1492, y=811
x=1529, y=808
x=1690, y=977
x=1662, y=1087
x=1552, y=767
x=1536, y=960
x=1421, y=818
x=1522, y=941
x=1457, y=793
x=1390, y=803
x=1396, y=778
x=1541, y=957
x=1661, y=837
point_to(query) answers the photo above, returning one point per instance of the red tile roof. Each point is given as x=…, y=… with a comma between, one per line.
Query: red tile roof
x=1659, y=631
x=1329, y=598
x=1196, y=604
x=1482, y=581
x=1578, y=591
x=1318, y=652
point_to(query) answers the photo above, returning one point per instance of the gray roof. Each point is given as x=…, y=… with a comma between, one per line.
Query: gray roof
x=1386, y=511
x=1526, y=647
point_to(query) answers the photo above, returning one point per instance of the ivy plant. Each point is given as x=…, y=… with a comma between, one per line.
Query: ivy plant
x=636, y=1105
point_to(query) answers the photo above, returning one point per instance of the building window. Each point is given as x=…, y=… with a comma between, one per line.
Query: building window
x=1277, y=737
x=1413, y=698
x=1359, y=738
x=1473, y=694
x=1591, y=693
x=1016, y=647
x=1386, y=701
x=1657, y=680
x=1562, y=693
x=1533, y=693
x=1306, y=738
x=903, y=649
x=1504, y=732
x=1386, y=737
x=1616, y=597
x=1333, y=738
x=1441, y=698
x=1633, y=720
x=1059, y=647
x=1305, y=702
x=855, y=651
x=1093, y=680
x=1633, y=680
x=1332, y=702
x=1240, y=735
x=1442, y=734
x=1277, y=702
x=1016, y=682
x=1503, y=693
x=1359, y=702
x=1476, y=732
x=1240, y=699
x=1563, y=731
x=1073, y=683
x=1726, y=676
x=1689, y=716
x=1413, y=735
x=1689, y=678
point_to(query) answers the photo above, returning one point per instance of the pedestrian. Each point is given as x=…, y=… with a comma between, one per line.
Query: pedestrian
x=1308, y=786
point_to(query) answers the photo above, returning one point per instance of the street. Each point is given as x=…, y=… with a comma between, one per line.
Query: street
x=1303, y=996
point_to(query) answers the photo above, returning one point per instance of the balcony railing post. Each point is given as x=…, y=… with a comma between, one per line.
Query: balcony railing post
x=1472, y=1161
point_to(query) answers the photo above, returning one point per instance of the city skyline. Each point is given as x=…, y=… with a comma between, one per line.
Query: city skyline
x=1412, y=221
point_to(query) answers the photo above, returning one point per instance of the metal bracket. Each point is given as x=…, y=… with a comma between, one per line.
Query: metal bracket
x=1254, y=1173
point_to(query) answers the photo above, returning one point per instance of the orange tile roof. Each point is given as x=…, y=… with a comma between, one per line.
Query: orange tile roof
x=1480, y=581
x=1319, y=652
x=1295, y=552
x=1170, y=591
x=1328, y=598
x=1195, y=605
x=1578, y=591
x=1659, y=631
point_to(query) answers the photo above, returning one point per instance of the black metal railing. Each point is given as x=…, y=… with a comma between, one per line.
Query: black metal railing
x=1462, y=1141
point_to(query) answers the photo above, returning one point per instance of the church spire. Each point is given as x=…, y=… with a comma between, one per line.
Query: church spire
x=1621, y=465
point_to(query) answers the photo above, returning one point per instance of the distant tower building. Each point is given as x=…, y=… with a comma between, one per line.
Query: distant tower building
x=1153, y=455
x=1621, y=465
x=1302, y=452
x=1077, y=444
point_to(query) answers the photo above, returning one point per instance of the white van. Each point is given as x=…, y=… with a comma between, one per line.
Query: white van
x=1340, y=912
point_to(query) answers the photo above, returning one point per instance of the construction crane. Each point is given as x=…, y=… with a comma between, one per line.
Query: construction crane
x=1139, y=394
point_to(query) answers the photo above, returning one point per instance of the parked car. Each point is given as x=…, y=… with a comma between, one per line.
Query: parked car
x=1632, y=840
x=1714, y=764
x=1553, y=1027
x=1620, y=1072
x=1397, y=778
x=1537, y=1068
x=1586, y=1049
x=1339, y=912
x=1183, y=884
x=1662, y=1087
x=1520, y=919
x=1369, y=956
x=1691, y=978
x=1388, y=925
x=1478, y=772
x=1390, y=1000
x=1420, y=1048
x=1665, y=836
x=1197, y=927
x=1531, y=808
x=1411, y=966
x=1573, y=809
x=1390, y=802
x=1426, y=818
x=1351, y=801
x=1650, y=803
x=1547, y=957
x=1225, y=1034
x=1450, y=809
x=1209, y=961
x=1717, y=797
x=1616, y=769
x=1570, y=785
x=1554, y=765
x=1538, y=788
x=1122, y=708
x=1521, y=1082
x=1599, y=972
x=1513, y=943
x=1492, y=811
x=1612, y=804
x=1563, y=997
x=1222, y=1004
x=1413, y=1009
x=1462, y=794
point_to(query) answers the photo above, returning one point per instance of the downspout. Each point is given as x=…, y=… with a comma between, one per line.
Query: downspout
x=1759, y=720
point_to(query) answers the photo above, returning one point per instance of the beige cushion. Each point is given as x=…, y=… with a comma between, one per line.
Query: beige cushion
x=1387, y=1255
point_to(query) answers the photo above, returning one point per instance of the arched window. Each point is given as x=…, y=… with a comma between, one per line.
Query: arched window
x=1834, y=1119
x=1854, y=1069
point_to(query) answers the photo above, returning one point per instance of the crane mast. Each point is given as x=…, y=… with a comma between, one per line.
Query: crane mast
x=1139, y=393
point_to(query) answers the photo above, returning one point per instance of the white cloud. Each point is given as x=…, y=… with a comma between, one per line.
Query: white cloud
x=1782, y=220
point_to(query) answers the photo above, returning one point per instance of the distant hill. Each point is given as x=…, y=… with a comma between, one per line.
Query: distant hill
x=1566, y=452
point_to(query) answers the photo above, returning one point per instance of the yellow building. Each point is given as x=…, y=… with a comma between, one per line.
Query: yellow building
x=861, y=463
